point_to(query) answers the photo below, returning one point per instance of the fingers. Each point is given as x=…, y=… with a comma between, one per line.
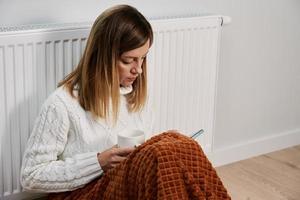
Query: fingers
x=114, y=161
x=117, y=159
x=124, y=151
x=112, y=157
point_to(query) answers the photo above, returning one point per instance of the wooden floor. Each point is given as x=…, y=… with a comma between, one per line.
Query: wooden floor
x=273, y=176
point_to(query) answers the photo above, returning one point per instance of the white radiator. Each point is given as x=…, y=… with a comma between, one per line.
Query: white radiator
x=182, y=80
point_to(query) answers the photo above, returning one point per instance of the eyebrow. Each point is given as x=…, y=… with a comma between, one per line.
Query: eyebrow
x=134, y=56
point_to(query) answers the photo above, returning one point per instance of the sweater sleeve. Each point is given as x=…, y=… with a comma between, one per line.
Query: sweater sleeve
x=42, y=170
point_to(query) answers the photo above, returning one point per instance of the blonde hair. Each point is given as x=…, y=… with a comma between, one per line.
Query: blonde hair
x=117, y=30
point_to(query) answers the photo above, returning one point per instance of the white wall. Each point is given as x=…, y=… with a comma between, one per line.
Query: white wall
x=258, y=104
x=17, y=12
x=258, y=107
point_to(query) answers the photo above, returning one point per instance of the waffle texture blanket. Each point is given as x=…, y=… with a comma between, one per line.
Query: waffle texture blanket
x=168, y=166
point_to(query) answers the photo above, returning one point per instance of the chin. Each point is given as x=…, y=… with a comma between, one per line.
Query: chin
x=126, y=84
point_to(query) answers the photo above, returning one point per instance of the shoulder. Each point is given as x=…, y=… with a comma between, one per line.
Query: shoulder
x=53, y=115
x=60, y=97
x=58, y=101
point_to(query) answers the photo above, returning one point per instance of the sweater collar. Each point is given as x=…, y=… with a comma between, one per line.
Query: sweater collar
x=125, y=90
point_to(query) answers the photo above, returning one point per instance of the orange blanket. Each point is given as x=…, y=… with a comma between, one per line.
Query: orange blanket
x=168, y=166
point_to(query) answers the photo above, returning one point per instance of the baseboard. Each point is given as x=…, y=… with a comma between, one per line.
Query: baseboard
x=253, y=148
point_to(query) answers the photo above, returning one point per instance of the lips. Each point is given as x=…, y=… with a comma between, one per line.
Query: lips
x=131, y=79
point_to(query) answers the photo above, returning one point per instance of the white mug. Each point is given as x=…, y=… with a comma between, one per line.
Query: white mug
x=131, y=138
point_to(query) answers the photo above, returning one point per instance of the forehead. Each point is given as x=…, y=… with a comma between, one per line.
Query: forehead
x=138, y=52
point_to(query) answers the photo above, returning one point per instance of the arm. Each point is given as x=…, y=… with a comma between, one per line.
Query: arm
x=42, y=170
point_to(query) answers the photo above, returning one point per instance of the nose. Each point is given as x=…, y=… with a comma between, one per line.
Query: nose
x=137, y=69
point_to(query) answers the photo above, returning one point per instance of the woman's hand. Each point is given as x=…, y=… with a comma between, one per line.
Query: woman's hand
x=112, y=157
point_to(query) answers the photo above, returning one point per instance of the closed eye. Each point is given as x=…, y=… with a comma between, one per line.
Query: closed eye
x=126, y=62
x=131, y=60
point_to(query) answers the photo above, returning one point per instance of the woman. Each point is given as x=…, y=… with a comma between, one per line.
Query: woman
x=104, y=95
x=72, y=143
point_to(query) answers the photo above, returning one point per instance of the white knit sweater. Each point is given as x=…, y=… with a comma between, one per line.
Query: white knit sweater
x=61, y=153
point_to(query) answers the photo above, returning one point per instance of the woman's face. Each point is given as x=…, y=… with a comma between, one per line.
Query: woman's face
x=130, y=64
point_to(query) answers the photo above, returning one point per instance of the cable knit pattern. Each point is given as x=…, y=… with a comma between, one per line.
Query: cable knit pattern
x=61, y=153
